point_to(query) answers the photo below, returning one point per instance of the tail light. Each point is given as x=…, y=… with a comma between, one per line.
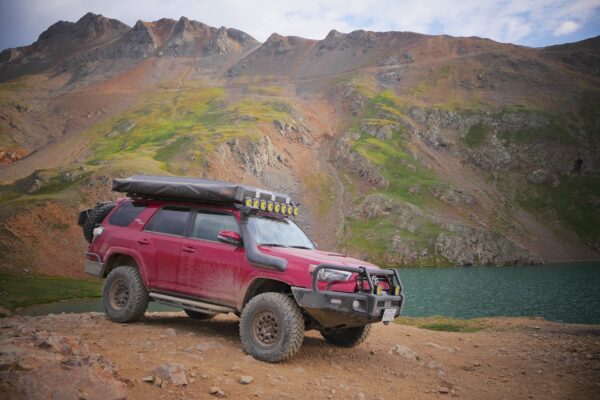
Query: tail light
x=96, y=233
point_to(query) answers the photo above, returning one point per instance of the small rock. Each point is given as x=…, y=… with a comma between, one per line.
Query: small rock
x=216, y=391
x=246, y=379
x=148, y=379
x=171, y=372
x=170, y=332
x=360, y=396
x=404, y=352
x=443, y=390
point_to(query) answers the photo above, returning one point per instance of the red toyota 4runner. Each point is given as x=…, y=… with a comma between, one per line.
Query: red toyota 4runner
x=213, y=247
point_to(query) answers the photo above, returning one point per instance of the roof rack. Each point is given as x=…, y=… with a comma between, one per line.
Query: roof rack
x=204, y=190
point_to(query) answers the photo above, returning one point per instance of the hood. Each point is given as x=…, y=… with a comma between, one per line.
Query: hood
x=306, y=256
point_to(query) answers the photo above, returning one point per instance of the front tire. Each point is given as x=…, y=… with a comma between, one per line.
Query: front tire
x=124, y=297
x=347, y=337
x=271, y=327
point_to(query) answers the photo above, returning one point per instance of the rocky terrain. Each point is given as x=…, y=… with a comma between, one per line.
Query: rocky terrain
x=404, y=149
x=169, y=356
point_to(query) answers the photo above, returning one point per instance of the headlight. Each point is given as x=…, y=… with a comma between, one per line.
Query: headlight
x=333, y=275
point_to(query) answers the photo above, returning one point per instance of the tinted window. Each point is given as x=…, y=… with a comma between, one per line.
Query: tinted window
x=171, y=220
x=126, y=213
x=208, y=225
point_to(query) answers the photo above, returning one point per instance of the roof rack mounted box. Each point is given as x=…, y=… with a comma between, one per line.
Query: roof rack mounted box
x=193, y=189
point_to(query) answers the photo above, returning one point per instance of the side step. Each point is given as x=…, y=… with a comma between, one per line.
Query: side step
x=193, y=305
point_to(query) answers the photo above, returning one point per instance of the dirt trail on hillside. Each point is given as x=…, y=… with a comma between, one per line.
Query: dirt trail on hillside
x=512, y=358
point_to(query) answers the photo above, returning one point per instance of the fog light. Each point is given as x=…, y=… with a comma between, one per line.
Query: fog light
x=356, y=304
x=378, y=290
x=397, y=290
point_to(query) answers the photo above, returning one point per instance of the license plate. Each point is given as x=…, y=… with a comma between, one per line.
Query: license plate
x=389, y=314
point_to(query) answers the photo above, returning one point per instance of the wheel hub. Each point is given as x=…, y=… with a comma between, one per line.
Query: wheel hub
x=265, y=328
x=119, y=294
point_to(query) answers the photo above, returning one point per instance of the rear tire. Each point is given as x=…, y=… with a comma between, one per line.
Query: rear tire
x=347, y=337
x=95, y=218
x=271, y=327
x=198, y=315
x=124, y=297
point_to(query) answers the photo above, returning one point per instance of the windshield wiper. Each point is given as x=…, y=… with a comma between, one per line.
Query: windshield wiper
x=300, y=247
x=273, y=244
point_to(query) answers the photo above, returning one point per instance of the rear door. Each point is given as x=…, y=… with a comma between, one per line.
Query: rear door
x=159, y=244
x=209, y=269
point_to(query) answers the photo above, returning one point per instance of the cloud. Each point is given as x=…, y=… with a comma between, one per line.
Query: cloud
x=531, y=22
x=566, y=28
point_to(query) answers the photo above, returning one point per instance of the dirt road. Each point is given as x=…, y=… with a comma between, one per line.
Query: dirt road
x=85, y=356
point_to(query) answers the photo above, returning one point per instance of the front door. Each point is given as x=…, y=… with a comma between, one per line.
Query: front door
x=209, y=269
x=160, y=245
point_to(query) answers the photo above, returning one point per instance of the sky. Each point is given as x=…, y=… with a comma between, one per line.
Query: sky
x=533, y=23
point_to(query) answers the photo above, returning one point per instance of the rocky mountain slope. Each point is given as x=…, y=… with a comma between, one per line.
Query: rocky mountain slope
x=405, y=149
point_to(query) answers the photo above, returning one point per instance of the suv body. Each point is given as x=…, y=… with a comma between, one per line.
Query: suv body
x=210, y=258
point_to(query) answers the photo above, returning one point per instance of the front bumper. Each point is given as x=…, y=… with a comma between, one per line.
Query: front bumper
x=336, y=309
x=341, y=309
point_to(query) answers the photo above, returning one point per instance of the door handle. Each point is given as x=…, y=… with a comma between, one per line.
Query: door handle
x=143, y=241
x=189, y=249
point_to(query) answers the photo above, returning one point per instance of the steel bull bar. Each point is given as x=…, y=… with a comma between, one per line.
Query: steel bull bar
x=331, y=309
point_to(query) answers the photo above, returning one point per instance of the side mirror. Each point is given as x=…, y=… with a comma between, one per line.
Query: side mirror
x=230, y=237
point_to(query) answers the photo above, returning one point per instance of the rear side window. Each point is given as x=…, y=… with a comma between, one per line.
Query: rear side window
x=208, y=225
x=126, y=213
x=169, y=220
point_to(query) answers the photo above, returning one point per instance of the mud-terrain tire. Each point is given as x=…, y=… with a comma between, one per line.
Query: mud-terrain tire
x=347, y=337
x=124, y=297
x=271, y=327
x=95, y=218
x=198, y=315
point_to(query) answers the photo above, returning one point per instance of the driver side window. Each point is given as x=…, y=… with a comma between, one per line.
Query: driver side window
x=208, y=225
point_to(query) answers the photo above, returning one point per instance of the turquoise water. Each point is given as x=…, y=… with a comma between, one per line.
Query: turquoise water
x=558, y=292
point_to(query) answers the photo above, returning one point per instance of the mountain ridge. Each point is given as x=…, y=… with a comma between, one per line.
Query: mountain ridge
x=407, y=149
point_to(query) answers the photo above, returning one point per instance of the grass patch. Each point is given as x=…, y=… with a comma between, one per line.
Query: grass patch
x=178, y=129
x=320, y=184
x=21, y=291
x=443, y=324
x=555, y=127
x=476, y=136
x=572, y=202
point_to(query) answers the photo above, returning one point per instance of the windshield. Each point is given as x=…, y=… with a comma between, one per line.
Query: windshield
x=278, y=232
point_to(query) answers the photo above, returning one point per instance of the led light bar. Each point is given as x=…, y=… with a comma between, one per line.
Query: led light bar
x=267, y=201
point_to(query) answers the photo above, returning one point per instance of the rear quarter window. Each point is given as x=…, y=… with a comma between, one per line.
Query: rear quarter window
x=170, y=220
x=126, y=213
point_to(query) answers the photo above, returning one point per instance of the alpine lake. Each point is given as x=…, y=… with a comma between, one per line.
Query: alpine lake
x=562, y=292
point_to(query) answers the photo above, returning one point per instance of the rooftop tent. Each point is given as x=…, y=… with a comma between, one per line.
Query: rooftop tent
x=193, y=189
